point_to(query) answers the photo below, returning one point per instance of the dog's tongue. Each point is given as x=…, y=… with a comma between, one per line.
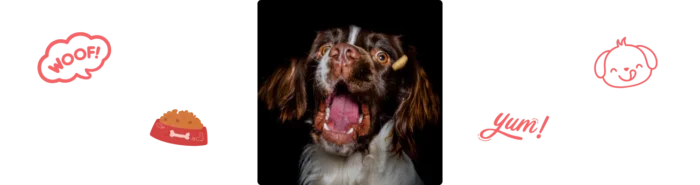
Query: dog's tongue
x=344, y=112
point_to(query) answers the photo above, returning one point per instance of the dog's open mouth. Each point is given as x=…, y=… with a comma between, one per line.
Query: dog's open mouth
x=342, y=118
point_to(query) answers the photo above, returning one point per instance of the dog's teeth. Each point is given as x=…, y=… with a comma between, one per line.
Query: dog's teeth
x=328, y=112
x=360, y=121
x=350, y=131
x=325, y=126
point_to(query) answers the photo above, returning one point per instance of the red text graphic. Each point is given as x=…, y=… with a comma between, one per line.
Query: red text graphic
x=515, y=126
x=78, y=55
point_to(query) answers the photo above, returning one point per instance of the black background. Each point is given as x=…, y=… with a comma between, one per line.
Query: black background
x=485, y=66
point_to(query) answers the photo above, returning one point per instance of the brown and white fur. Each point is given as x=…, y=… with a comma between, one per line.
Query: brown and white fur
x=363, y=111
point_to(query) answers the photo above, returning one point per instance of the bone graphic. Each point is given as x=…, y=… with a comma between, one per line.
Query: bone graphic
x=184, y=136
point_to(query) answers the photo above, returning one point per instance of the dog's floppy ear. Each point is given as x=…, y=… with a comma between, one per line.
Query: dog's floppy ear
x=285, y=90
x=418, y=106
x=650, y=56
x=600, y=64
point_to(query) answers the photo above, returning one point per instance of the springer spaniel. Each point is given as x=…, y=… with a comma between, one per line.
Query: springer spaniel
x=364, y=97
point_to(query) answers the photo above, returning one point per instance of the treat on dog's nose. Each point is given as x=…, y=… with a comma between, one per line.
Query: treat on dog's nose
x=400, y=63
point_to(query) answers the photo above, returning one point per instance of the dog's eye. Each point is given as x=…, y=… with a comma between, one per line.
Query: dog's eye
x=324, y=49
x=382, y=57
x=639, y=65
x=613, y=69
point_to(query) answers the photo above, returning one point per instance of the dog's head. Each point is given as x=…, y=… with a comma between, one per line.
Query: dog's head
x=352, y=82
x=625, y=65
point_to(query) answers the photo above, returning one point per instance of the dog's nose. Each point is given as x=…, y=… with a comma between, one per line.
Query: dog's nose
x=627, y=68
x=344, y=54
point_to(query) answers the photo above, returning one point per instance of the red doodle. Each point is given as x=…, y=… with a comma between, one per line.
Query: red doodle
x=628, y=66
x=511, y=125
x=80, y=54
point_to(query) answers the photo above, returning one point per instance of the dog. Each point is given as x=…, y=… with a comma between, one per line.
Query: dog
x=626, y=65
x=365, y=95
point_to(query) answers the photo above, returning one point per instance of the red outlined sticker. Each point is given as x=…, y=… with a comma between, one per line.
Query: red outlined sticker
x=79, y=54
x=632, y=72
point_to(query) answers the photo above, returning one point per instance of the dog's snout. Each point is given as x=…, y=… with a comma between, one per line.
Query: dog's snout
x=627, y=68
x=344, y=54
x=343, y=57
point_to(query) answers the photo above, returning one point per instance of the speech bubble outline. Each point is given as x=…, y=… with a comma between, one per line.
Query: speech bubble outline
x=88, y=73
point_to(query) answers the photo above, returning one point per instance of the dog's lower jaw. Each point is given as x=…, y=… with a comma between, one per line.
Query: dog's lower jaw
x=378, y=166
x=342, y=150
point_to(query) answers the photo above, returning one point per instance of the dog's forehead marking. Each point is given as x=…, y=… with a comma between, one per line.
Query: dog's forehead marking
x=352, y=36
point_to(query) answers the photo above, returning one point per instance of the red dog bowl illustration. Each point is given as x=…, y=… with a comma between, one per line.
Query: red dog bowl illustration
x=180, y=127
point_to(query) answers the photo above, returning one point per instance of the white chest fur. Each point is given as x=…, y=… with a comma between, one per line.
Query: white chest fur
x=378, y=167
